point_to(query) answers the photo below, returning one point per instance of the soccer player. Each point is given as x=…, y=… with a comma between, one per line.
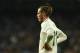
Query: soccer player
x=50, y=35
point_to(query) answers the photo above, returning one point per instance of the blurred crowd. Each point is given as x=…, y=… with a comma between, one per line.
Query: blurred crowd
x=21, y=35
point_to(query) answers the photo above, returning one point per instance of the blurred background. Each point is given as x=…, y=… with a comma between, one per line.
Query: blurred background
x=19, y=28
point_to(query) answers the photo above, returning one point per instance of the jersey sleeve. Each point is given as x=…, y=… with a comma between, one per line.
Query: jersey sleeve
x=61, y=36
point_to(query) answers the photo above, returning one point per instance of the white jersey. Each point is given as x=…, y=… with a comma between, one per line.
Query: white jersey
x=48, y=28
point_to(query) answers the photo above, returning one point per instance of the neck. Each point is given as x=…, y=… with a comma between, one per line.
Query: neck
x=45, y=18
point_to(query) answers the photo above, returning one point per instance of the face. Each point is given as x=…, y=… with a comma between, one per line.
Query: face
x=39, y=15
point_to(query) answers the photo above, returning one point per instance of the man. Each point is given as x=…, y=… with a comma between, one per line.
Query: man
x=50, y=35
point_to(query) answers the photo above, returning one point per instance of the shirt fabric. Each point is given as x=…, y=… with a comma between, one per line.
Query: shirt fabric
x=48, y=28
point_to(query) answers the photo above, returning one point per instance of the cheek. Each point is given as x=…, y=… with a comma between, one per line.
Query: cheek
x=40, y=15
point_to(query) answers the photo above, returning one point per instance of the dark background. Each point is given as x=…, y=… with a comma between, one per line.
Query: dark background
x=19, y=28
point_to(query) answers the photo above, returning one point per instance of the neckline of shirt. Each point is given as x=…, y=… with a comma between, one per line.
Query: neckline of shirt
x=43, y=23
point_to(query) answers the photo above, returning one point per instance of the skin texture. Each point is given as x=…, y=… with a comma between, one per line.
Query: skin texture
x=41, y=16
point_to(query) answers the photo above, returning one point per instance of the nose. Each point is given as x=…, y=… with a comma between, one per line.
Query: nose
x=37, y=15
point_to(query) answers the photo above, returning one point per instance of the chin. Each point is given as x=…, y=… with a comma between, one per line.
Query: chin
x=39, y=21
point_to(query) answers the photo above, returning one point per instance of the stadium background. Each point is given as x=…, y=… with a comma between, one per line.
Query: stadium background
x=19, y=28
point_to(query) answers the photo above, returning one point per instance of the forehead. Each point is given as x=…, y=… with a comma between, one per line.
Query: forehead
x=39, y=9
